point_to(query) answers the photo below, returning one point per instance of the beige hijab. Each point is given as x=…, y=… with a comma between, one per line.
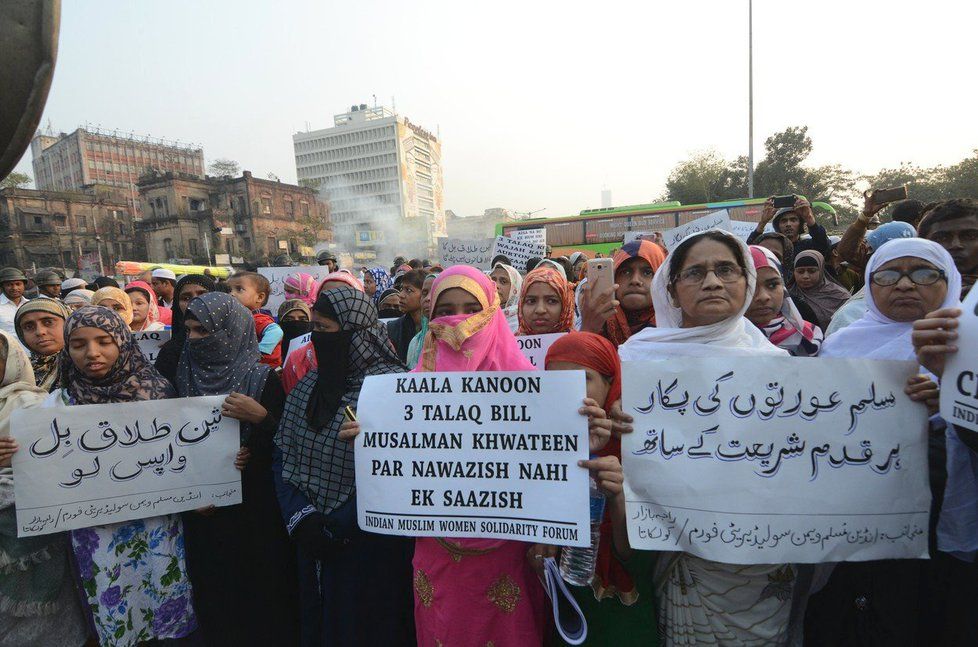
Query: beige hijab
x=17, y=390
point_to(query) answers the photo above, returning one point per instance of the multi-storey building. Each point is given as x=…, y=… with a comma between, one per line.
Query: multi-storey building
x=382, y=177
x=72, y=230
x=482, y=226
x=186, y=218
x=66, y=162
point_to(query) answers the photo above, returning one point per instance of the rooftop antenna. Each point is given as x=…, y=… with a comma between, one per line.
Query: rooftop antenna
x=375, y=100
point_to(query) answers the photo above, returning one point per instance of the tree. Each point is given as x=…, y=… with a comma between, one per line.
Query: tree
x=273, y=177
x=16, y=181
x=311, y=182
x=705, y=177
x=224, y=168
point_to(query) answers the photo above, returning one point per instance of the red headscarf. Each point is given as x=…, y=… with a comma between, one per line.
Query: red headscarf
x=564, y=290
x=620, y=327
x=154, y=313
x=597, y=353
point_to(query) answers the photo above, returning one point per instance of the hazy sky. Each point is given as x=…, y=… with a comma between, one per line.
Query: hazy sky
x=539, y=104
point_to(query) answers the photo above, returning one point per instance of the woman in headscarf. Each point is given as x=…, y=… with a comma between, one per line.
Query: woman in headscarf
x=187, y=289
x=101, y=363
x=620, y=314
x=303, y=359
x=389, y=304
x=341, y=567
x=293, y=318
x=375, y=281
x=403, y=329
x=78, y=297
x=883, y=602
x=40, y=326
x=619, y=605
x=240, y=561
x=468, y=332
x=773, y=311
x=818, y=290
x=301, y=286
x=546, y=303
x=38, y=604
x=116, y=300
x=414, y=348
x=508, y=284
x=145, y=311
x=701, y=293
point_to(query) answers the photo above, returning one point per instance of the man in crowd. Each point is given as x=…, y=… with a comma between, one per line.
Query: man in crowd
x=953, y=224
x=12, y=282
x=163, y=283
x=328, y=259
x=792, y=222
x=48, y=284
x=853, y=248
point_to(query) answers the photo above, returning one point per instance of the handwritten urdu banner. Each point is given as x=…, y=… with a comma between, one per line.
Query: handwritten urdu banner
x=276, y=278
x=97, y=464
x=773, y=460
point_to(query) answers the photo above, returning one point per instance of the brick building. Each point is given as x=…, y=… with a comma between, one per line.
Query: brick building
x=65, y=229
x=189, y=218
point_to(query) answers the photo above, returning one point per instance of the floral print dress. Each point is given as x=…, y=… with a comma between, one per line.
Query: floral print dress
x=134, y=576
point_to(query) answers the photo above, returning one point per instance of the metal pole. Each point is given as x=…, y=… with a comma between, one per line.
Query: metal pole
x=750, y=98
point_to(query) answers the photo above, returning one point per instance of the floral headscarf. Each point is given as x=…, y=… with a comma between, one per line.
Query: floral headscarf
x=131, y=378
x=564, y=290
x=302, y=286
x=383, y=281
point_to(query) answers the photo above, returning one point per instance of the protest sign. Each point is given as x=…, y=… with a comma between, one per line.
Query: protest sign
x=297, y=343
x=276, y=277
x=91, y=465
x=959, y=385
x=150, y=342
x=490, y=454
x=476, y=252
x=537, y=236
x=716, y=220
x=771, y=460
x=535, y=347
x=518, y=252
x=743, y=228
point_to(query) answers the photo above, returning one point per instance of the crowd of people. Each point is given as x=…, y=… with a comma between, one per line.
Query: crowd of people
x=290, y=566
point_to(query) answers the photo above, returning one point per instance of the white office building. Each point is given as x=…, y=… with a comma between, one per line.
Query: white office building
x=382, y=177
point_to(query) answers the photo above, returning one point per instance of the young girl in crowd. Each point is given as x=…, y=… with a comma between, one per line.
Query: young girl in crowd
x=820, y=291
x=145, y=311
x=376, y=281
x=619, y=607
x=188, y=288
x=38, y=602
x=629, y=308
x=40, y=326
x=115, y=300
x=240, y=560
x=356, y=586
x=414, y=349
x=403, y=329
x=300, y=286
x=132, y=595
x=546, y=303
x=773, y=311
x=508, y=285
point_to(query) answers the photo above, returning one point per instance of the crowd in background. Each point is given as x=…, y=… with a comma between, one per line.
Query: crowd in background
x=290, y=566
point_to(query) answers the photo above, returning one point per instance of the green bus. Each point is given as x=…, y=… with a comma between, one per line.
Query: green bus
x=602, y=230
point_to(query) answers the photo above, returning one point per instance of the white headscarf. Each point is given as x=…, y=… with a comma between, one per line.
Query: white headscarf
x=512, y=305
x=732, y=336
x=17, y=391
x=876, y=336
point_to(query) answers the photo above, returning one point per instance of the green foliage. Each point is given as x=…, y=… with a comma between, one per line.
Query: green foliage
x=311, y=183
x=224, y=168
x=16, y=181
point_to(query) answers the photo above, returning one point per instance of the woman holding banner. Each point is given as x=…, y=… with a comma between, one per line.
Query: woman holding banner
x=40, y=326
x=38, y=604
x=241, y=564
x=133, y=594
x=546, y=303
x=355, y=587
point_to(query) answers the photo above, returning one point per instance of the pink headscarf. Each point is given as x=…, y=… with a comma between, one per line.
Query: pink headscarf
x=303, y=285
x=154, y=314
x=477, y=342
x=342, y=277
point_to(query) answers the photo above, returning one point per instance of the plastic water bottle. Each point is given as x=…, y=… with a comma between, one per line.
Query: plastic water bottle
x=577, y=564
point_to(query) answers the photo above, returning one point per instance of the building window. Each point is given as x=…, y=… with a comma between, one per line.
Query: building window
x=246, y=244
x=266, y=205
x=289, y=207
x=122, y=229
x=195, y=204
x=242, y=206
x=81, y=223
x=68, y=260
x=305, y=209
x=193, y=246
x=168, y=247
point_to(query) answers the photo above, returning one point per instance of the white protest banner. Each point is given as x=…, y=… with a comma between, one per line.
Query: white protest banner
x=959, y=384
x=719, y=219
x=638, y=235
x=97, y=464
x=476, y=252
x=276, y=277
x=538, y=236
x=297, y=343
x=491, y=454
x=150, y=342
x=743, y=228
x=760, y=460
x=535, y=347
x=518, y=252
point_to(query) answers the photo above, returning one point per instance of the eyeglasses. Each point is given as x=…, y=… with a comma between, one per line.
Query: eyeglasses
x=919, y=276
x=726, y=272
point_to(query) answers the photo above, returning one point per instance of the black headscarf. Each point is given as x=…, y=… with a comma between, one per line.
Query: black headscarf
x=169, y=355
x=103, y=282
